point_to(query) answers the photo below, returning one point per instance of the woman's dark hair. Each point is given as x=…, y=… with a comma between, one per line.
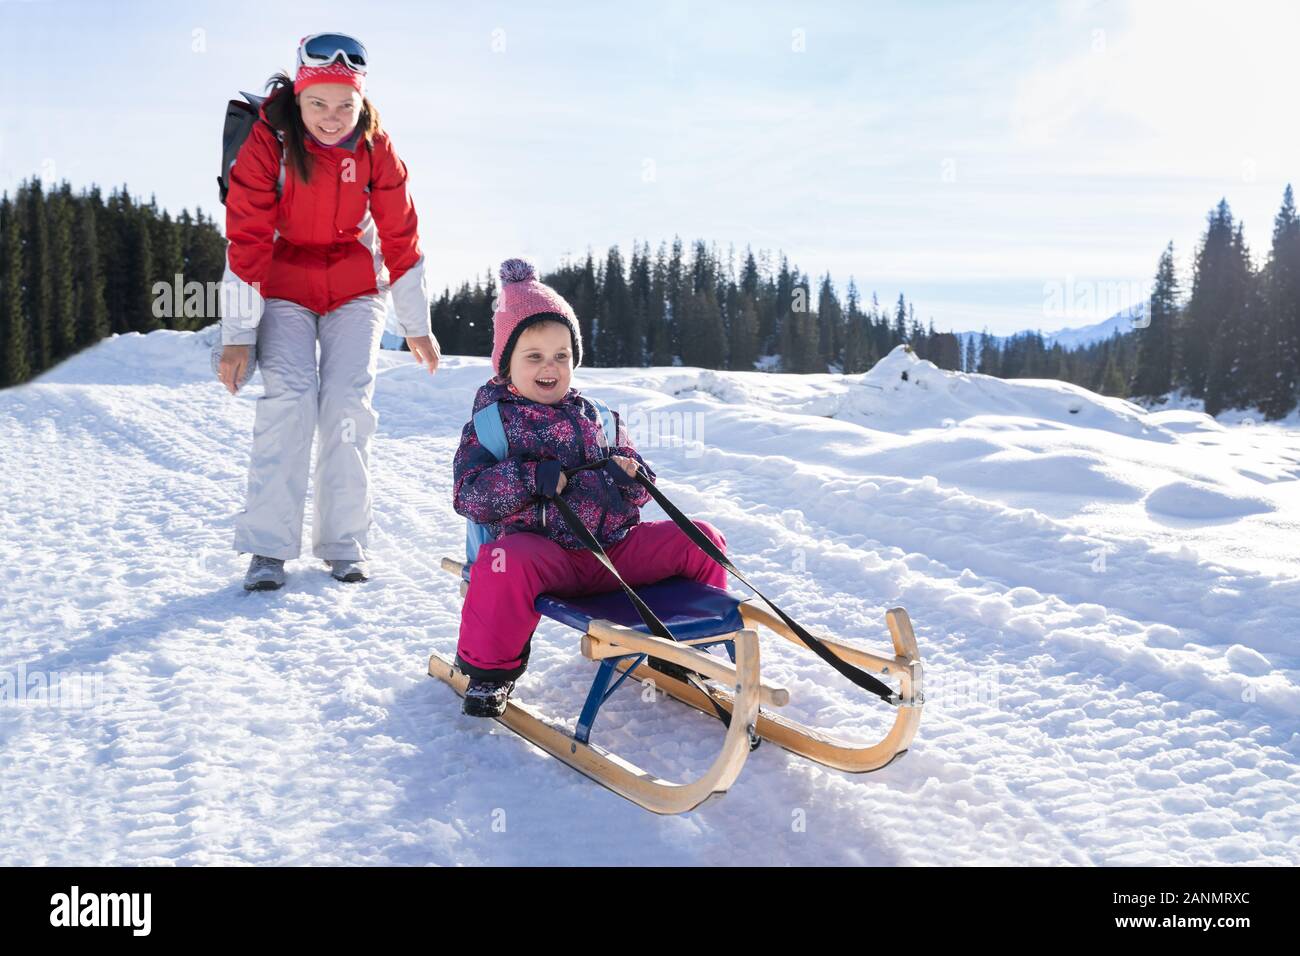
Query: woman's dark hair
x=283, y=113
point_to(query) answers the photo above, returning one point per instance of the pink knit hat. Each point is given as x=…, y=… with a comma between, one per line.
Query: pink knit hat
x=524, y=302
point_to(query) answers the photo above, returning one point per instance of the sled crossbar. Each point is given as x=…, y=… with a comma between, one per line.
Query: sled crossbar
x=604, y=641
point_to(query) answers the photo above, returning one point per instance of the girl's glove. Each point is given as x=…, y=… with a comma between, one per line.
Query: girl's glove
x=618, y=474
x=548, y=477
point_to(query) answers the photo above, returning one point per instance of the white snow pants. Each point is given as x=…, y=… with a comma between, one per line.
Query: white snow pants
x=299, y=402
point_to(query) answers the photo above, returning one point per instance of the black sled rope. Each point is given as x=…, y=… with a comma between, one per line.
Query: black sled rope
x=656, y=626
x=856, y=675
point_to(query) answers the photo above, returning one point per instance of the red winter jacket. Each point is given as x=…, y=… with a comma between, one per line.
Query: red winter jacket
x=350, y=231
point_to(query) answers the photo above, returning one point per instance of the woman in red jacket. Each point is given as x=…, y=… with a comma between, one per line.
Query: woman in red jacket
x=321, y=230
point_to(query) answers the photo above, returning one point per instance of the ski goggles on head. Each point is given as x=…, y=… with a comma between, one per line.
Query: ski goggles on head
x=322, y=49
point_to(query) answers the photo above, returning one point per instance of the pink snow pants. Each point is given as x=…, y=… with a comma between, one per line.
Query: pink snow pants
x=498, y=618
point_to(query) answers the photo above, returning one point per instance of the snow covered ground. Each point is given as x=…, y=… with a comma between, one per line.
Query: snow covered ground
x=1108, y=602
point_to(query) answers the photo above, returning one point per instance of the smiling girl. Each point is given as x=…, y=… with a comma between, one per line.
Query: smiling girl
x=321, y=228
x=549, y=428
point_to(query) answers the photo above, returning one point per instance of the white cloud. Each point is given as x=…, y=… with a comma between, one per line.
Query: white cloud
x=1157, y=87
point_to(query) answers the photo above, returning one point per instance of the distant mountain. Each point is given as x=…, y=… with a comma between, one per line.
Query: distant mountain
x=1070, y=339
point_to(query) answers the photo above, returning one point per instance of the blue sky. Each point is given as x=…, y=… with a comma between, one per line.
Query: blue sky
x=1009, y=165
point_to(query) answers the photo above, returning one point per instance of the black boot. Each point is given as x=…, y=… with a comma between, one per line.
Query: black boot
x=486, y=698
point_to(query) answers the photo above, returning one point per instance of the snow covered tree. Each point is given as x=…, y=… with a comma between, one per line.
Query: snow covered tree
x=1154, y=376
x=858, y=355
x=140, y=297
x=1235, y=339
x=744, y=334
x=612, y=345
x=990, y=358
x=945, y=351
x=1279, y=354
x=36, y=263
x=677, y=291
x=168, y=261
x=63, y=317
x=1217, y=297
x=830, y=324
x=88, y=280
x=203, y=249
x=660, y=345
x=1112, y=381
x=14, y=367
x=774, y=335
x=749, y=277
x=639, y=286
x=703, y=338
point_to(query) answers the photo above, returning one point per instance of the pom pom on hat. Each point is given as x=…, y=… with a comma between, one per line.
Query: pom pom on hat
x=517, y=270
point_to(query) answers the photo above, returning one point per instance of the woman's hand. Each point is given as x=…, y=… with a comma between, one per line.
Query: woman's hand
x=234, y=362
x=426, y=351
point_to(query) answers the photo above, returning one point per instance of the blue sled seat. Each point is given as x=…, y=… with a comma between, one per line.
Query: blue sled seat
x=689, y=608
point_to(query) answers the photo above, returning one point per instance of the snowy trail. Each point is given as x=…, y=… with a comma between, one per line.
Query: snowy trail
x=1147, y=712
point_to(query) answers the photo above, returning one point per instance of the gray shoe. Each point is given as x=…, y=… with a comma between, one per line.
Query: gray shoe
x=349, y=571
x=264, y=574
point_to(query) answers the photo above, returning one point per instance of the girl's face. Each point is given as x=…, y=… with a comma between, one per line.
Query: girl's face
x=542, y=362
x=330, y=111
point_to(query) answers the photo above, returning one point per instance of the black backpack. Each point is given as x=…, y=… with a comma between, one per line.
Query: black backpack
x=240, y=119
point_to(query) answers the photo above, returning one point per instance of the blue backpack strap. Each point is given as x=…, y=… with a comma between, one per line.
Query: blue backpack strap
x=606, y=420
x=491, y=435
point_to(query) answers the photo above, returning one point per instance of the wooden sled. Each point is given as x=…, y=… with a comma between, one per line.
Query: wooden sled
x=700, y=617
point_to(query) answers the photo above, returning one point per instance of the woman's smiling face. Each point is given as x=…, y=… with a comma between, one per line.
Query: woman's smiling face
x=330, y=111
x=542, y=362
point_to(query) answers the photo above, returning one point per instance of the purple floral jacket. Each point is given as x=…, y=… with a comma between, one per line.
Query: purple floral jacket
x=503, y=494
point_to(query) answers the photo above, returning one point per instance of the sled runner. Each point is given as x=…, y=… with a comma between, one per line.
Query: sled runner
x=709, y=619
x=809, y=742
x=663, y=634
